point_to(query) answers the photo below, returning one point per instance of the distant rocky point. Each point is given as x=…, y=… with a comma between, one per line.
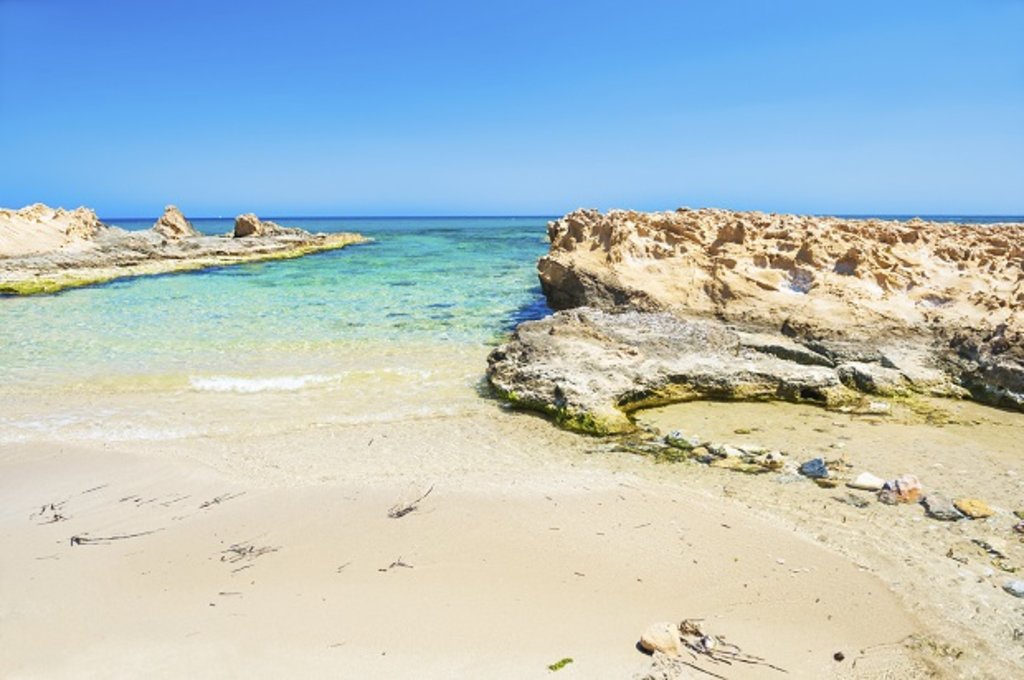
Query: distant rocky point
x=45, y=250
x=666, y=307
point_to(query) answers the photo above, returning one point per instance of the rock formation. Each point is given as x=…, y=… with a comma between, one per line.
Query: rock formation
x=250, y=225
x=173, y=225
x=751, y=305
x=38, y=229
x=44, y=250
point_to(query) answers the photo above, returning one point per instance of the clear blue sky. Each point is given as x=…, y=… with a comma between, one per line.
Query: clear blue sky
x=495, y=107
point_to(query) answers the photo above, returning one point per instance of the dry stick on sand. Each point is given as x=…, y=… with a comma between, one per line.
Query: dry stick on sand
x=244, y=551
x=715, y=648
x=400, y=510
x=220, y=499
x=397, y=563
x=103, y=540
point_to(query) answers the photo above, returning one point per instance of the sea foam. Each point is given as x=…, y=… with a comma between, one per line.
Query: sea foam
x=286, y=383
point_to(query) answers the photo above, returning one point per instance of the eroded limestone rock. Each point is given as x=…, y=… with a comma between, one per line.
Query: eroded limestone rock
x=173, y=225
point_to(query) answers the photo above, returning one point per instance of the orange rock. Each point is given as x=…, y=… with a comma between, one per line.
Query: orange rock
x=973, y=508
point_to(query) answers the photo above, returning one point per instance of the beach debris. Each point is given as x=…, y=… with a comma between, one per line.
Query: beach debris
x=1019, y=527
x=401, y=510
x=50, y=513
x=814, y=468
x=239, y=552
x=994, y=547
x=662, y=637
x=668, y=641
x=737, y=464
x=678, y=440
x=973, y=508
x=941, y=508
x=1014, y=587
x=103, y=540
x=217, y=500
x=560, y=664
x=715, y=647
x=866, y=481
x=838, y=656
x=903, y=489
x=397, y=564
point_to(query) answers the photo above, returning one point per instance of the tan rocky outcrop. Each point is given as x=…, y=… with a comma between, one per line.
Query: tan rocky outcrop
x=44, y=250
x=39, y=228
x=872, y=306
x=250, y=225
x=173, y=225
x=827, y=275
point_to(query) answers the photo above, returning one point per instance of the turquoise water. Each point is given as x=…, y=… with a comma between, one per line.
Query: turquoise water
x=422, y=285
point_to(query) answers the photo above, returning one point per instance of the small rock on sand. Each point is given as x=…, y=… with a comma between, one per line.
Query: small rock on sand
x=973, y=508
x=1015, y=588
x=941, y=508
x=903, y=489
x=661, y=637
x=814, y=468
x=866, y=481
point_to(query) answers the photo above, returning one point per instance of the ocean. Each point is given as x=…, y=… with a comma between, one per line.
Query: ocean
x=392, y=329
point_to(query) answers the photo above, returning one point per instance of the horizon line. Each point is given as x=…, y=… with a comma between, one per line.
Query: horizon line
x=557, y=215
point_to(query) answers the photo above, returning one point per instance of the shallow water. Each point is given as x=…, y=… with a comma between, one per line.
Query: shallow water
x=395, y=328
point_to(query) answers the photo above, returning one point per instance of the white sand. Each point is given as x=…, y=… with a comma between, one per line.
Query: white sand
x=504, y=579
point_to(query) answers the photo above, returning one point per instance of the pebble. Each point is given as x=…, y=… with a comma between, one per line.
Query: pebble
x=941, y=508
x=973, y=508
x=814, y=468
x=661, y=637
x=879, y=407
x=1015, y=588
x=903, y=489
x=866, y=481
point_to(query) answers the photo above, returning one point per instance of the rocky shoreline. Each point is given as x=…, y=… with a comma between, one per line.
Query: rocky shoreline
x=660, y=308
x=45, y=250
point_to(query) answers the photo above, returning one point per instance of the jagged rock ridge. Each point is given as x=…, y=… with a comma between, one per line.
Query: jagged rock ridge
x=880, y=307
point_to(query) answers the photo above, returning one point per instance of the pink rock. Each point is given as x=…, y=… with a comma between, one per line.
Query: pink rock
x=903, y=489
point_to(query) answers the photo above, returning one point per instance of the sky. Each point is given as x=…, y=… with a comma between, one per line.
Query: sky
x=512, y=107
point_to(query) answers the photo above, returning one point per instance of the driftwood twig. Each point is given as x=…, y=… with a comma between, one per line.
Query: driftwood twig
x=401, y=510
x=104, y=540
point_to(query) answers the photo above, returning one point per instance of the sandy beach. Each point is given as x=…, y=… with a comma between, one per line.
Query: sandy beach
x=498, y=572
